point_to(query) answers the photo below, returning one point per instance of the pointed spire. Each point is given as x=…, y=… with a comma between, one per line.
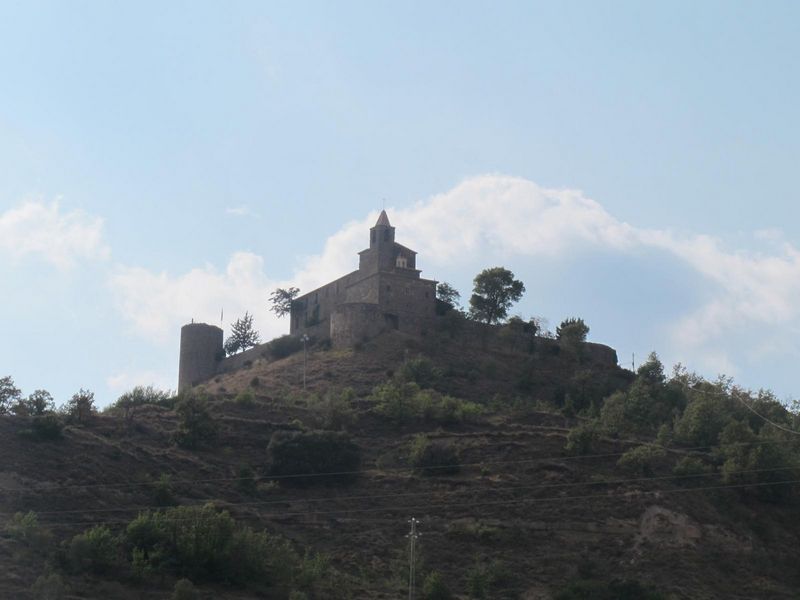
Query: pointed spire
x=383, y=220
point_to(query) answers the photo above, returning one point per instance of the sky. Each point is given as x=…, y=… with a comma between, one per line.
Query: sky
x=634, y=164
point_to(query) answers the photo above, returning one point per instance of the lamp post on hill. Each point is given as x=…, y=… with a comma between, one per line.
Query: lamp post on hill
x=304, y=339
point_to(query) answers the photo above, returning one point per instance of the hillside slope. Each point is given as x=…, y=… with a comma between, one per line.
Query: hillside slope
x=510, y=511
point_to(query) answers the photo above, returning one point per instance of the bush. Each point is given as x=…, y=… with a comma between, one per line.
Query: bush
x=582, y=438
x=162, y=492
x=403, y=401
x=49, y=587
x=432, y=458
x=245, y=400
x=46, y=428
x=196, y=426
x=293, y=454
x=25, y=528
x=588, y=589
x=246, y=481
x=202, y=543
x=335, y=411
x=130, y=402
x=641, y=460
x=284, y=346
x=93, y=550
x=184, y=590
x=420, y=371
x=691, y=466
x=434, y=587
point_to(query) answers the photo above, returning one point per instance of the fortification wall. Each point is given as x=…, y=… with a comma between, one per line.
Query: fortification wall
x=200, y=353
x=356, y=322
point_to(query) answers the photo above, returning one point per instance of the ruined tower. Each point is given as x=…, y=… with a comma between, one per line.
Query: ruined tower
x=201, y=350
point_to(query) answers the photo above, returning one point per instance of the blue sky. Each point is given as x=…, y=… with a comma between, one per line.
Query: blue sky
x=634, y=163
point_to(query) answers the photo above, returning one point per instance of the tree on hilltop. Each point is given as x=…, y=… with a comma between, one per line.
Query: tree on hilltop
x=495, y=291
x=81, y=405
x=447, y=298
x=281, y=300
x=9, y=394
x=243, y=335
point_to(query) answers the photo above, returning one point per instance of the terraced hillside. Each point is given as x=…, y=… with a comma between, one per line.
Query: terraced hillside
x=491, y=446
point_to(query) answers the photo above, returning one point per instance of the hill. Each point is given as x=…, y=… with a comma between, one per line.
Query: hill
x=537, y=470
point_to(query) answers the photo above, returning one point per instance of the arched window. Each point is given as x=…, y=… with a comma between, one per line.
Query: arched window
x=401, y=262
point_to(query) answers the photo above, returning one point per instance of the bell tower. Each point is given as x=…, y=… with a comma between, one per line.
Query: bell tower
x=382, y=233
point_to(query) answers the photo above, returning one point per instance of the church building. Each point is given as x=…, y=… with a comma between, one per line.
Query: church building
x=386, y=292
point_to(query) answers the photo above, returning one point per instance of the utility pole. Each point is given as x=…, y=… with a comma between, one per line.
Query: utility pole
x=305, y=359
x=412, y=539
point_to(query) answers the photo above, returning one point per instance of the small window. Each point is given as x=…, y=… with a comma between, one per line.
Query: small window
x=385, y=235
x=426, y=294
x=401, y=262
x=388, y=288
x=372, y=237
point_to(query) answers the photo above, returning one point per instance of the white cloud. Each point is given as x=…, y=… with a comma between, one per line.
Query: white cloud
x=502, y=217
x=58, y=237
x=240, y=211
x=157, y=304
x=124, y=381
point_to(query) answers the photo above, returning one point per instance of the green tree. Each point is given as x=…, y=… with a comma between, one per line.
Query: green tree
x=196, y=426
x=447, y=298
x=39, y=403
x=572, y=331
x=9, y=394
x=282, y=299
x=434, y=587
x=81, y=406
x=130, y=402
x=495, y=291
x=243, y=335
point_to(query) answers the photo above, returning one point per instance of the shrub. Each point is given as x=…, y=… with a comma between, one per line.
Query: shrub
x=691, y=466
x=284, y=346
x=130, y=402
x=196, y=426
x=184, y=590
x=245, y=399
x=246, y=482
x=255, y=382
x=420, y=371
x=49, y=587
x=314, y=454
x=46, y=428
x=588, y=589
x=93, y=550
x=25, y=528
x=641, y=460
x=162, y=492
x=203, y=543
x=334, y=411
x=582, y=438
x=434, y=587
x=432, y=458
x=403, y=401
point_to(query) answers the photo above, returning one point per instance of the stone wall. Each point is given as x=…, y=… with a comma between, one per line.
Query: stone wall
x=356, y=322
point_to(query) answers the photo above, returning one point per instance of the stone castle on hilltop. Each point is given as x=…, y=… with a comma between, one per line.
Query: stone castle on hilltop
x=385, y=293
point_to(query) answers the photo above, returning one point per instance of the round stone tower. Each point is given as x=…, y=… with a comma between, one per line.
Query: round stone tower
x=201, y=351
